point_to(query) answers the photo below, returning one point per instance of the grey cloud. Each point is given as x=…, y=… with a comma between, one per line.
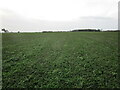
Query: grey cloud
x=97, y=18
x=100, y=22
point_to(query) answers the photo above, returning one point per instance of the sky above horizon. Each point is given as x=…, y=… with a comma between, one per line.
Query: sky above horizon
x=39, y=15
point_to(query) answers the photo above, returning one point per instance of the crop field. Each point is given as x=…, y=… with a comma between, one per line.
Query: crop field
x=60, y=60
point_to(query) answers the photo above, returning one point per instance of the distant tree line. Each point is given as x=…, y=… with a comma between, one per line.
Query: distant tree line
x=53, y=31
x=112, y=31
x=6, y=31
x=78, y=30
x=47, y=31
x=86, y=30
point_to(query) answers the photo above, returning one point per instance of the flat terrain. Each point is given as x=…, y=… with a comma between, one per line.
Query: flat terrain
x=60, y=60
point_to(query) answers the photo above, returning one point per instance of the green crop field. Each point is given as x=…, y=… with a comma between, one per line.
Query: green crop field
x=60, y=60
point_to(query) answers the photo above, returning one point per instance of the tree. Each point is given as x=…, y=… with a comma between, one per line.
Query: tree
x=5, y=30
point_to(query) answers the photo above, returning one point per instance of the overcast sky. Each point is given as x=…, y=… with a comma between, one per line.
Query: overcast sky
x=38, y=15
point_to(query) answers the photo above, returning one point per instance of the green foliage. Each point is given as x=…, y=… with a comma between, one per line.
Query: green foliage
x=60, y=60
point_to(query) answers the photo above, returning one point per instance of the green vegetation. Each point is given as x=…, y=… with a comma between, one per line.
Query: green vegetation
x=60, y=60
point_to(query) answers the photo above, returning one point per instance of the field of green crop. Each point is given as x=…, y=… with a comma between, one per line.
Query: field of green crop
x=60, y=60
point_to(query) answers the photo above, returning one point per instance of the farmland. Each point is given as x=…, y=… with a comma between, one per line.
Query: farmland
x=60, y=60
